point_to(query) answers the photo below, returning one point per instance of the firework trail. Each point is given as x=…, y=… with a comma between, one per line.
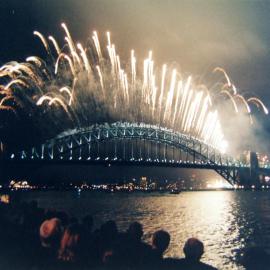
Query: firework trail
x=78, y=86
x=230, y=90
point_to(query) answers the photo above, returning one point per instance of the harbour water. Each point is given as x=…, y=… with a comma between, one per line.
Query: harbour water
x=227, y=222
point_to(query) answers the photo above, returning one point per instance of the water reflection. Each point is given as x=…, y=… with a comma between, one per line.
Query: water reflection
x=226, y=221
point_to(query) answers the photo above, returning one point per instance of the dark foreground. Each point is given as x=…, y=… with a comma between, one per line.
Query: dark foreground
x=36, y=238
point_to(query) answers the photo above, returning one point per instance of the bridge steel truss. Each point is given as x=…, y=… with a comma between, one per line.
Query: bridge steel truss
x=132, y=144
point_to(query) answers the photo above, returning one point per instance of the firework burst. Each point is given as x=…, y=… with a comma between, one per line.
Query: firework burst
x=229, y=89
x=78, y=86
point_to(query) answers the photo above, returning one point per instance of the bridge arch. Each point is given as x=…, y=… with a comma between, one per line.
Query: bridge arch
x=133, y=144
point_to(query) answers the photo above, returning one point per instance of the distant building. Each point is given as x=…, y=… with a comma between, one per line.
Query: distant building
x=263, y=160
x=153, y=185
x=143, y=182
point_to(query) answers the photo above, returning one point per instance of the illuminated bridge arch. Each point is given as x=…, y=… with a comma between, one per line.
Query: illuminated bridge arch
x=127, y=143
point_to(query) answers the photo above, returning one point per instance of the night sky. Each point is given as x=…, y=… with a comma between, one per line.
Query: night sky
x=197, y=35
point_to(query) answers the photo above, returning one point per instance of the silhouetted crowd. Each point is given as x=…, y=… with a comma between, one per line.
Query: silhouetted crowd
x=35, y=239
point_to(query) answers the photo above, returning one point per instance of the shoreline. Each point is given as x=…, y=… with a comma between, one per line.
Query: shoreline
x=171, y=192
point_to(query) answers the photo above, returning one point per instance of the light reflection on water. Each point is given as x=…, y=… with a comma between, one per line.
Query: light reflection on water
x=226, y=221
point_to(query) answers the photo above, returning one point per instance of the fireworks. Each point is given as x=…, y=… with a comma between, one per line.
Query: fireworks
x=230, y=90
x=89, y=85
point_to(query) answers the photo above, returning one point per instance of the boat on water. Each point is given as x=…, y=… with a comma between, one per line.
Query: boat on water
x=175, y=191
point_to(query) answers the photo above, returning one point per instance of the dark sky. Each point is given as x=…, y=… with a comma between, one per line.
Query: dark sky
x=197, y=35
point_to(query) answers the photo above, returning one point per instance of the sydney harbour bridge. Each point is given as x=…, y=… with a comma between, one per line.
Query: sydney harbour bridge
x=136, y=144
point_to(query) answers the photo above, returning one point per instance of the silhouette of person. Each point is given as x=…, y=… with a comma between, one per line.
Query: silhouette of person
x=193, y=250
x=160, y=242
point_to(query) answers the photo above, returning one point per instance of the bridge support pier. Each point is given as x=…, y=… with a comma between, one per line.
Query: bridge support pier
x=230, y=174
x=254, y=170
x=249, y=177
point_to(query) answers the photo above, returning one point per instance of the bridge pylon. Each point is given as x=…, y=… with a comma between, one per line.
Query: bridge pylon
x=254, y=170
